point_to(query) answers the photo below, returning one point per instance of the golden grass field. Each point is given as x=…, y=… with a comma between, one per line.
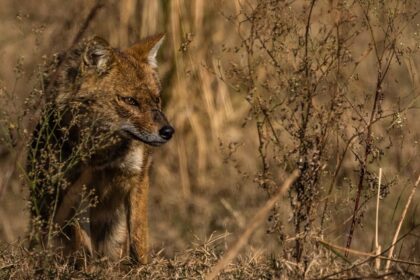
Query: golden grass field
x=255, y=90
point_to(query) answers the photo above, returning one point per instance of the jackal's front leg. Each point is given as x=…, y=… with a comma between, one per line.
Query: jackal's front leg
x=138, y=220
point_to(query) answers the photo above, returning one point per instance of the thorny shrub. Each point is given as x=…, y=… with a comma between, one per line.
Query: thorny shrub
x=321, y=80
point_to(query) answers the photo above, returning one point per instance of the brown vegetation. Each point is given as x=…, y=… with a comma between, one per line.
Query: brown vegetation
x=255, y=90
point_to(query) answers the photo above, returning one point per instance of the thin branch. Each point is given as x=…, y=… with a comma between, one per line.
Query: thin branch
x=397, y=232
x=30, y=124
x=92, y=14
x=360, y=253
x=253, y=224
x=377, y=246
x=368, y=145
x=328, y=276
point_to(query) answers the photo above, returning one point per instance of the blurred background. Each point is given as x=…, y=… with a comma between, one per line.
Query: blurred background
x=207, y=180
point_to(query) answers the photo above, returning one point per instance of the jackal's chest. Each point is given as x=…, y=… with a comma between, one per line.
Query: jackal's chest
x=114, y=181
x=134, y=161
x=130, y=160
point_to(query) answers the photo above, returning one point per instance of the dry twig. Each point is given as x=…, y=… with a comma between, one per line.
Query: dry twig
x=251, y=227
x=377, y=246
x=397, y=232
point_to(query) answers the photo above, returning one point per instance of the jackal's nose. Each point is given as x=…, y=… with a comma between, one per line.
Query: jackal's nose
x=166, y=132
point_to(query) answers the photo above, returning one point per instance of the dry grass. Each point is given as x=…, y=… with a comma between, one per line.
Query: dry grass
x=227, y=90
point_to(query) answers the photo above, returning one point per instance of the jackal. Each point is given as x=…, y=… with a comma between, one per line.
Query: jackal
x=89, y=156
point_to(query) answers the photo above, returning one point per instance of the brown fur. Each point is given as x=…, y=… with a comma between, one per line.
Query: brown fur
x=103, y=114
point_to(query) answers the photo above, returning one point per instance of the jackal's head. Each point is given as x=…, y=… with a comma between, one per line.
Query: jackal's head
x=123, y=88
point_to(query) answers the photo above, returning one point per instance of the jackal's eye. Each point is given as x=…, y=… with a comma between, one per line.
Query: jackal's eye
x=129, y=100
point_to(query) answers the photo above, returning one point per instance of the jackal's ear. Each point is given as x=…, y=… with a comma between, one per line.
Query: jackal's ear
x=147, y=49
x=98, y=54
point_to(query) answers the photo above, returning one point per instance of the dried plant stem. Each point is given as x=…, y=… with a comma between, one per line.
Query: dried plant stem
x=251, y=227
x=360, y=253
x=92, y=14
x=7, y=266
x=33, y=121
x=375, y=113
x=377, y=246
x=397, y=232
x=301, y=213
x=361, y=262
x=79, y=35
